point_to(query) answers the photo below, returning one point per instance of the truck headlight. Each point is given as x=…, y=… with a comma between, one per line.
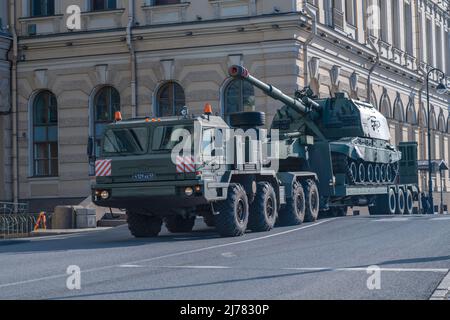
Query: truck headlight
x=104, y=195
x=189, y=191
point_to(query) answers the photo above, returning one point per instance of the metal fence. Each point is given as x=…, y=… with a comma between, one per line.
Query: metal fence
x=17, y=225
x=15, y=221
x=13, y=208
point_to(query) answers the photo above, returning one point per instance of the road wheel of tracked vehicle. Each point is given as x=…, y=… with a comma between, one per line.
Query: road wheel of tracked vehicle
x=293, y=212
x=352, y=172
x=248, y=119
x=263, y=211
x=142, y=226
x=388, y=172
x=370, y=173
x=312, y=200
x=361, y=172
x=232, y=219
x=383, y=173
x=400, y=202
x=377, y=173
x=409, y=202
x=179, y=224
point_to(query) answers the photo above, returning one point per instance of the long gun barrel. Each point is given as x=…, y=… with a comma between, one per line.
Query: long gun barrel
x=301, y=107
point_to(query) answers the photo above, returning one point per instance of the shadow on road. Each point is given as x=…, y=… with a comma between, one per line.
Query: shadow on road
x=113, y=238
x=196, y=285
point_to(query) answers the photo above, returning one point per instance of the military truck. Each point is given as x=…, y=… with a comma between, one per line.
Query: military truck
x=315, y=159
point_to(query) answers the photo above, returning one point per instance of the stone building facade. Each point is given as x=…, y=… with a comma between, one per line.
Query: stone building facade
x=151, y=57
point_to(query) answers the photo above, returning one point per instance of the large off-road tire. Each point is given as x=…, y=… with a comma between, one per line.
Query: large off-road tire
x=384, y=204
x=409, y=202
x=209, y=220
x=312, y=200
x=233, y=213
x=263, y=211
x=400, y=209
x=142, y=226
x=293, y=212
x=179, y=224
x=248, y=119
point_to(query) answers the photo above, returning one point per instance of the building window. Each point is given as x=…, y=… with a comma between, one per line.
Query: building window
x=383, y=22
x=45, y=135
x=40, y=8
x=350, y=12
x=170, y=100
x=408, y=29
x=162, y=2
x=97, y=5
x=106, y=104
x=429, y=32
x=239, y=96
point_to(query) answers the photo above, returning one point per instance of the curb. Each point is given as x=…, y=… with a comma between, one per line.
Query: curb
x=56, y=232
x=442, y=291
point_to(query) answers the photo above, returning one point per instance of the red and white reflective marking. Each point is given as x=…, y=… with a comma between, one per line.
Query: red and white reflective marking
x=185, y=164
x=103, y=168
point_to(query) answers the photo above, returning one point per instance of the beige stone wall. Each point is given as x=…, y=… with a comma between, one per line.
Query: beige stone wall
x=193, y=44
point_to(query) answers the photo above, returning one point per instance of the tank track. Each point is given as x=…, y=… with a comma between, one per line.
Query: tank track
x=364, y=173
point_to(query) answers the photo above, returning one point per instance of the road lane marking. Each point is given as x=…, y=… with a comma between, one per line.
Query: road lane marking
x=228, y=255
x=169, y=255
x=392, y=220
x=191, y=267
x=433, y=270
x=131, y=266
x=442, y=292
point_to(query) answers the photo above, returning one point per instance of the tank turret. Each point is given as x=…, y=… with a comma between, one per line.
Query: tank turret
x=356, y=132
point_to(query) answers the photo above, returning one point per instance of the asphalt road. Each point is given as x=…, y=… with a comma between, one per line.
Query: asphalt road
x=324, y=260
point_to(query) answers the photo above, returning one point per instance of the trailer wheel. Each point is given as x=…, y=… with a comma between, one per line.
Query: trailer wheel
x=312, y=200
x=263, y=211
x=179, y=224
x=232, y=219
x=142, y=226
x=400, y=202
x=384, y=204
x=293, y=212
x=209, y=220
x=409, y=202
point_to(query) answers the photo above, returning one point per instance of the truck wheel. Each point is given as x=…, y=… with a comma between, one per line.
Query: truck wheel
x=179, y=224
x=209, y=220
x=142, y=226
x=400, y=202
x=232, y=219
x=392, y=202
x=293, y=212
x=263, y=211
x=312, y=201
x=384, y=204
x=409, y=202
x=250, y=118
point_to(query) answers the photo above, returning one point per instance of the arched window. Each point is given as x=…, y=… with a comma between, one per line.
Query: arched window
x=411, y=112
x=238, y=96
x=170, y=100
x=399, y=113
x=441, y=122
x=106, y=103
x=45, y=135
x=385, y=106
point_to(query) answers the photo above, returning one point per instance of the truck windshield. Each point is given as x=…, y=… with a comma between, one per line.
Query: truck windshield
x=126, y=141
x=165, y=138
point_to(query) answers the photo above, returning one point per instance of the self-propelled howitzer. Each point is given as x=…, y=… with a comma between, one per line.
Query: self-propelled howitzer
x=336, y=137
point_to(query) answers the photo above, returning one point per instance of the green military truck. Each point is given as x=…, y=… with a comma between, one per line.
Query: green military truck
x=320, y=156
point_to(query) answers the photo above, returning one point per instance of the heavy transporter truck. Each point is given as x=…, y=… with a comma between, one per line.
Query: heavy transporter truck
x=321, y=156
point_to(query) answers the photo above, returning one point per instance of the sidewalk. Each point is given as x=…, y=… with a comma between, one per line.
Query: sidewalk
x=55, y=232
